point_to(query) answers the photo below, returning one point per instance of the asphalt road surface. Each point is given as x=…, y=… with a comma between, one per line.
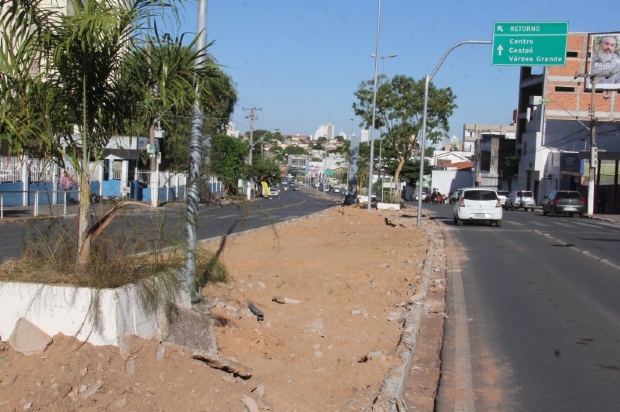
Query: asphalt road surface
x=212, y=221
x=533, y=321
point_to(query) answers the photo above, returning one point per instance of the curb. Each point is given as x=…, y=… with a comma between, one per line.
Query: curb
x=391, y=397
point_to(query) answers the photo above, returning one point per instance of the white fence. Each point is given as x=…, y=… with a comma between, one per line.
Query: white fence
x=42, y=170
x=39, y=170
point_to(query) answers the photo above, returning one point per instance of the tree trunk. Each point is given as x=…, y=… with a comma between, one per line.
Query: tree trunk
x=83, y=255
x=401, y=163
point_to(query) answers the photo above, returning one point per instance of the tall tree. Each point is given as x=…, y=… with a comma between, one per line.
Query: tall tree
x=399, y=112
x=227, y=160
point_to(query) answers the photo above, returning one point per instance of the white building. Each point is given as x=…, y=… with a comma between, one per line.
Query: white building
x=325, y=131
x=231, y=129
x=364, y=136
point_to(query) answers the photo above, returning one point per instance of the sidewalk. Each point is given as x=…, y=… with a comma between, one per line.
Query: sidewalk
x=24, y=213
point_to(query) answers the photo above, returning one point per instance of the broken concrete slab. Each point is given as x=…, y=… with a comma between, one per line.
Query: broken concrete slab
x=28, y=339
x=191, y=329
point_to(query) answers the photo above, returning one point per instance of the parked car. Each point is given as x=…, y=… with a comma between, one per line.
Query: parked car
x=520, y=199
x=295, y=187
x=478, y=204
x=564, y=201
x=454, y=197
x=336, y=190
x=503, y=195
x=274, y=191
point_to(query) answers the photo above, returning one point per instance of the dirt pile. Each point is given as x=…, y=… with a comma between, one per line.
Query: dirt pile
x=344, y=275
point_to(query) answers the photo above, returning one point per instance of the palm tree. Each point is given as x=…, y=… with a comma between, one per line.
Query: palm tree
x=71, y=81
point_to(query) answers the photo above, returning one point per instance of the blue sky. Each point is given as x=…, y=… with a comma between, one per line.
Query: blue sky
x=302, y=61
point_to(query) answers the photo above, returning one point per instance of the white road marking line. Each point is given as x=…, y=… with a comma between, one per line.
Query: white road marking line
x=539, y=224
x=585, y=224
x=561, y=224
x=513, y=223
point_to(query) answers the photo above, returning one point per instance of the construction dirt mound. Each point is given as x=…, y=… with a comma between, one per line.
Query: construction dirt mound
x=329, y=290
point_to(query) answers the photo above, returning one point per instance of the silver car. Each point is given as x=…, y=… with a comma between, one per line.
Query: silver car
x=520, y=199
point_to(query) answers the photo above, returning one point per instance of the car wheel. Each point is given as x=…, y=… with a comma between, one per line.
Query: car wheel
x=498, y=223
x=581, y=215
x=544, y=212
x=459, y=222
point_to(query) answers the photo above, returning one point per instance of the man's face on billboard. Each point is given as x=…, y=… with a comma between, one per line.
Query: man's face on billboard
x=608, y=45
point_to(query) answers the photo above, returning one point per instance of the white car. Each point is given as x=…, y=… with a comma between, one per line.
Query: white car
x=274, y=191
x=478, y=204
x=503, y=194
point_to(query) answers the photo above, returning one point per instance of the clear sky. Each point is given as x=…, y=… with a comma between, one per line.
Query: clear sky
x=302, y=61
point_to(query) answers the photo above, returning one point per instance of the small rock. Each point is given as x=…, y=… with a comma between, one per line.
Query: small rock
x=318, y=354
x=121, y=402
x=8, y=382
x=400, y=304
x=160, y=352
x=261, y=285
x=417, y=297
x=82, y=388
x=84, y=371
x=28, y=406
x=63, y=390
x=229, y=379
x=250, y=403
x=29, y=339
x=356, y=312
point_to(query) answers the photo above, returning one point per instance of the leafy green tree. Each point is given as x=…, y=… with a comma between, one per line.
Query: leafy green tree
x=265, y=170
x=399, y=112
x=227, y=160
x=294, y=150
x=322, y=139
x=88, y=68
x=410, y=171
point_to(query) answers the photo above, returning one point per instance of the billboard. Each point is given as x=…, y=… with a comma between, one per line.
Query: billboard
x=603, y=60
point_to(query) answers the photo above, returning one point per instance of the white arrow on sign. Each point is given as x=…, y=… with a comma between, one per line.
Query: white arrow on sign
x=500, y=28
x=499, y=50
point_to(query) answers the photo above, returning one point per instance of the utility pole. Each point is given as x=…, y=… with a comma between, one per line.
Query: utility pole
x=478, y=158
x=593, y=148
x=252, y=117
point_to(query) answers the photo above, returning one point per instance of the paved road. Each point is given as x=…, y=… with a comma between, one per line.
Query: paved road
x=537, y=325
x=213, y=221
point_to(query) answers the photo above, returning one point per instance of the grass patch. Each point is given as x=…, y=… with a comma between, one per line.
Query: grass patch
x=147, y=250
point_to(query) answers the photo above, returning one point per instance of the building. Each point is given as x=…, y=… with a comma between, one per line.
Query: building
x=231, y=129
x=555, y=114
x=325, y=131
x=364, y=136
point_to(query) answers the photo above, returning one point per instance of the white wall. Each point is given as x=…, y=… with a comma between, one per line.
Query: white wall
x=61, y=309
x=447, y=181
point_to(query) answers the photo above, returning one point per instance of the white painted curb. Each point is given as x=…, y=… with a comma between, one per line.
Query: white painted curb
x=66, y=310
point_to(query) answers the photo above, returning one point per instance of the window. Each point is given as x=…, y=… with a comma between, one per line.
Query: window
x=480, y=195
x=564, y=89
x=572, y=54
x=569, y=195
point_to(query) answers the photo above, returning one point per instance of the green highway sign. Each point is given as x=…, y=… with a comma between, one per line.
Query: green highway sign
x=529, y=43
x=328, y=172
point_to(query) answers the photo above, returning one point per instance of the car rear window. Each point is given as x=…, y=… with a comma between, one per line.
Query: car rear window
x=568, y=195
x=503, y=192
x=525, y=194
x=480, y=195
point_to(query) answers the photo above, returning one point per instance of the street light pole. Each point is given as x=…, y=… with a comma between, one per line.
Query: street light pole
x=374, y=107
x=195, y=158
x=350, y=137
x=381, y=139
x=423, y=140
